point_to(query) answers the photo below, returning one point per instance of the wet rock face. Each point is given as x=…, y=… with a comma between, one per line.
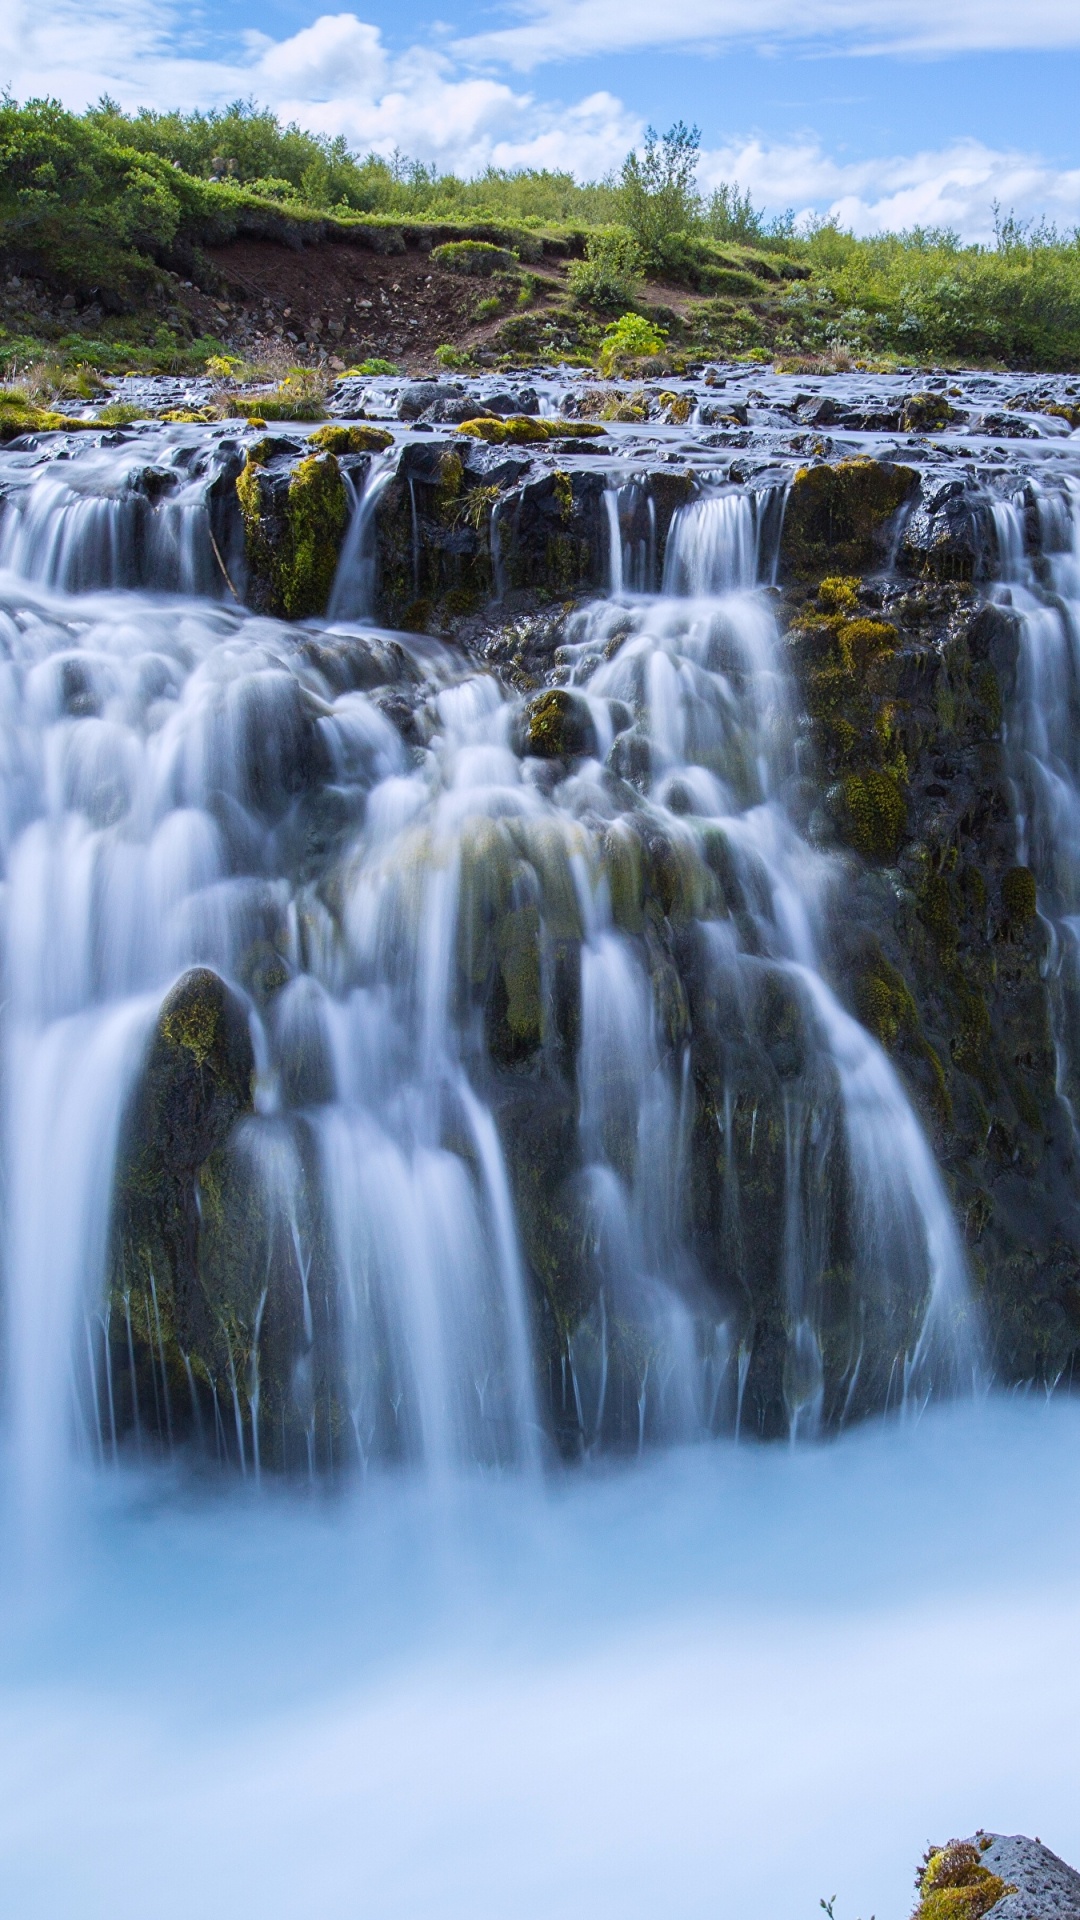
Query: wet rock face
x=461, y=522
x=938, y=942
x=948, y=535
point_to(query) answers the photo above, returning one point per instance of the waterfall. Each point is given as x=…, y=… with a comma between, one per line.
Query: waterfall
x=133, y=514
x=1041, y=592
x=480, y=1088
x=353, y=593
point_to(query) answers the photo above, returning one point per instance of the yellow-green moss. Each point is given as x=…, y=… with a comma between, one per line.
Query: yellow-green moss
x=936, y=911
x=294, y=555
x=518, y=947
x=954, y=1885
x=193, y=1025
x=525, y=430
x=839, y=593
x=877, y=814
x=558, y=725
x=563, y=490
x=677, y=408
x=352, y=439
x=927, y=413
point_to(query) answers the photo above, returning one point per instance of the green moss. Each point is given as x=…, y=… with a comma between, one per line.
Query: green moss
x=877, y=814
x=192, y=1024
x=473, y=257
x=562, y=487
x=518, y=948
x=559, y=725
x=317, y=513
x=524, y=430
x=362, y=439
x=1018, y=896
x=953, y=1884
x=936, y=912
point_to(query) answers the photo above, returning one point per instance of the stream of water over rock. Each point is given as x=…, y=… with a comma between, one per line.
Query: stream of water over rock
x=416, y=1059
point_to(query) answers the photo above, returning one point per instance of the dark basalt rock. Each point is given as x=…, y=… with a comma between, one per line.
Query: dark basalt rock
x=949, y=534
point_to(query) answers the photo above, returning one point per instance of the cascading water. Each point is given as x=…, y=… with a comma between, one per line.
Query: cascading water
x=477, y=1060
x=1038, y=541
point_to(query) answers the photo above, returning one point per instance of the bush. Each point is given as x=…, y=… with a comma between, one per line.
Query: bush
x=375, y=366
x=609, y=276
x=630, y=338
x=452, y=358
x=732, y=216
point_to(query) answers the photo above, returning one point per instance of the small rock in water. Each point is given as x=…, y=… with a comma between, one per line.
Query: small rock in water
x=1004, y=1875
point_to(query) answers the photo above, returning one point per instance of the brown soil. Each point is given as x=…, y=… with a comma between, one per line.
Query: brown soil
x=351, y=304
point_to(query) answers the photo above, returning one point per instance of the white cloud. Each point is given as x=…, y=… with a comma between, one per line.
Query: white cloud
x=570, y=29
x=951, y=187
x=335, y=76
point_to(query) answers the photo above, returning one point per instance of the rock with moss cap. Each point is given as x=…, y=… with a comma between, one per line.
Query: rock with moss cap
x=1006, y=1875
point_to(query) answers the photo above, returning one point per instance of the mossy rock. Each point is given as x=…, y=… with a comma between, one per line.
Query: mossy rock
x=527, y=430
x=353, y=439
x=294, y=524
x=19, y=416
x=928, y=413
x=477, y=258
x=559, y=726
x=838, y=517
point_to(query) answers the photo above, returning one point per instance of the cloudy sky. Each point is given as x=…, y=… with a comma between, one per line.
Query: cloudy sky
x=888, y=113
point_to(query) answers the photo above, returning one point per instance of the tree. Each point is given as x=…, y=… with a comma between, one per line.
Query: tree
x=658, y=189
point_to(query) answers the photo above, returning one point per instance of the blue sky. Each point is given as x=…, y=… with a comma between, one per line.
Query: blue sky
x=886, y=112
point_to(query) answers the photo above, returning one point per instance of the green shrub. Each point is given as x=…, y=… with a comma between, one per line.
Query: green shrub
x=657, y=191
x=374, y=366
x=608, y=278
x=631, y=337
x=452, y=358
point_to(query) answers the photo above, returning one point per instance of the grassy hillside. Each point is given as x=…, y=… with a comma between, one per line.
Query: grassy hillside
x=116, y=230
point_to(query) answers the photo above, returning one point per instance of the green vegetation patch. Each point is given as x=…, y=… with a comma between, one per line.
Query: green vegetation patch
x=474, y=257
x=528, y=430
x=953, y=1884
